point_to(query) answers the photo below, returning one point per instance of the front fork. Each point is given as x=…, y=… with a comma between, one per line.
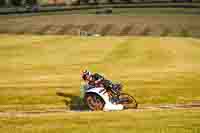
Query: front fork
x=113, y=98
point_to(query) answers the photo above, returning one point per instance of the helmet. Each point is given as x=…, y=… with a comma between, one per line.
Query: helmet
x=85, y=74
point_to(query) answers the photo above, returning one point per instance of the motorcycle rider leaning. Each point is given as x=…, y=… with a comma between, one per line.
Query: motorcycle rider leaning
x=96, y=80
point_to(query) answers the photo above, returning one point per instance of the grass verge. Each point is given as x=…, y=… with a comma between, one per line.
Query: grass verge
x=34, y=69
x=157, y=121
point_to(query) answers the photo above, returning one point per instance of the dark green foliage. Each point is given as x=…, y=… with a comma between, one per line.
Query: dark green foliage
x=16, y=2
x=2, y=3
x=31, y=2
x=84, y=2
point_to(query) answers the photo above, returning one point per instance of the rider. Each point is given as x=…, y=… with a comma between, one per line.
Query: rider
x=97, y=80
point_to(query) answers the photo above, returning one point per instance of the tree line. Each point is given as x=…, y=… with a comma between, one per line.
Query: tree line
x=17, y=2
x=77, y=2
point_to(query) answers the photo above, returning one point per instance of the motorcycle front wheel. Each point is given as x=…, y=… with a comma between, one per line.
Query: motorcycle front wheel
x=128, y=101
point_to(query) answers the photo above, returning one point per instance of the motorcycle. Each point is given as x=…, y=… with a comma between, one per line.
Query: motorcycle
x=98, y=98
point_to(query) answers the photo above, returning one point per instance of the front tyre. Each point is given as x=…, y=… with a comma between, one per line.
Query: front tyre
x=94, y=101
x=128, y=101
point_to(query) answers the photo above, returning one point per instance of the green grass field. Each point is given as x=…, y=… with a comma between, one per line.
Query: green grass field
x=167, y=121
x=154, y=70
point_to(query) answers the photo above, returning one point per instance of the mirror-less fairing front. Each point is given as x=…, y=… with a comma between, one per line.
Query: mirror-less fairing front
x=109, y=106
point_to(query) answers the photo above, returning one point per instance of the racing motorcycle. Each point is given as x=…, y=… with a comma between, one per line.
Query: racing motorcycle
x=98, y=98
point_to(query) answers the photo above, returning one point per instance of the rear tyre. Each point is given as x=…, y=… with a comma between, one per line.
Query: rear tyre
x=94, y=102
x=128, y=101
